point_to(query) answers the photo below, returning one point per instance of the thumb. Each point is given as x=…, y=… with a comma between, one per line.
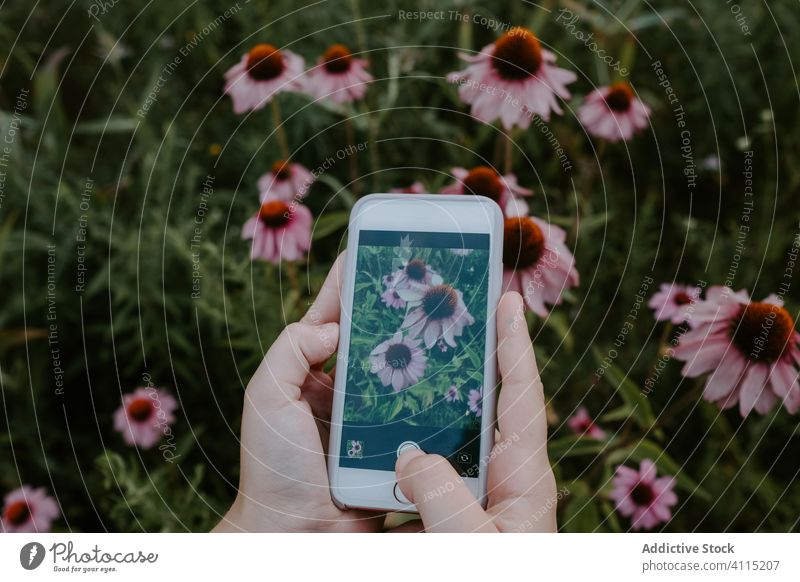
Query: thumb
x=285, y=367
x=440, y=494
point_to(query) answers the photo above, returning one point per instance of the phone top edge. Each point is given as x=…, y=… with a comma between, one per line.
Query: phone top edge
x=445, y=198
x=460, y=199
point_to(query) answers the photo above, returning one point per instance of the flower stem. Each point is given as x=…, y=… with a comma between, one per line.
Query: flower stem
x=294, y=280
x=585, y=192
x=662, y=343
x=508, y=153
x=353, y=161
x=373, y=120
x=361, y=35
x=283, y=141
x=374, y=155
x=465, y=31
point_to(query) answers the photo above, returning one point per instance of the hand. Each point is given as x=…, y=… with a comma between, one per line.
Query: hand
x=284, y=480
x=521, y=486
x=287, y=408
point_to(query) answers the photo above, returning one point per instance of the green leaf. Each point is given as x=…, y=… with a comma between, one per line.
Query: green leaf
x=574, y=446
x=621, y=413
x=46, y=82
x=5, y=230
x=329, y=223
x=627, y=10
x=611, y=516
x=655, y=19
x=559, y=323
x=412, y=404
x=582, y=513
x=397, y=408
x=591, y=223
x=565, y=221
x=336, y=185
x=109, y=125
x=630, y=393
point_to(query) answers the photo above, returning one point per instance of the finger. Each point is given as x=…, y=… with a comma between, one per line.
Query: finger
x=318, y=392
x=520, y=407
x=286, y=366
x=441, y=496
x=327, y=307
x=520, y=476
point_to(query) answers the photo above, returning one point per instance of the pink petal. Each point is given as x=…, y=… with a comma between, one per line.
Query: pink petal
x=647, y=471
x=753, y=383
x=398, y=382
x=726, y=376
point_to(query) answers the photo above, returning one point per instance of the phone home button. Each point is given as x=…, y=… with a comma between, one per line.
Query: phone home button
x=407, y=446
x=399, y=495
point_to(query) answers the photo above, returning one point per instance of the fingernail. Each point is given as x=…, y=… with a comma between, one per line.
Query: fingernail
x=516, y=300
x=405, y=458
x=514, y=311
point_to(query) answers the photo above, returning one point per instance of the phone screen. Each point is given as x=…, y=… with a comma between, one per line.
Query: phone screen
x=417, y=348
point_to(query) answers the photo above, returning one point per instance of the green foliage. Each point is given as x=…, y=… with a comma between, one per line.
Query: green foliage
x=147, y=500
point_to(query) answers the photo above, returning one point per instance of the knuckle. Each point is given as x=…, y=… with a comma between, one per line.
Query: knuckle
x=296, y=331
x=534, y=433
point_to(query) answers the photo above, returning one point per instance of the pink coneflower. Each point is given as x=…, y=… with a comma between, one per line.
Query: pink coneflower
x=338, y=76
x=583, y=425
x=285, y=181
x=28, y=510
x=537, y=263
x=613, y=113
x=144, y=416
x=513, y=79
x=261, y=74
x=485, y=181
x=674, y=302
x=391, y=298
x=434, y=313
x=452, y=394
x=399, y=362
x=475, y=402
x=751, y=348
x=413, y=188
x=279, y=231
x=415, y=274
x=642, y=496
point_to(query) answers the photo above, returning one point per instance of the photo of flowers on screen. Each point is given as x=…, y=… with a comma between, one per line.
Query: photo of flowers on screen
x=417, y=343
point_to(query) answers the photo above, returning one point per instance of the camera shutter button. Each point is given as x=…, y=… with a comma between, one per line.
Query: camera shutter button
x=407, y=446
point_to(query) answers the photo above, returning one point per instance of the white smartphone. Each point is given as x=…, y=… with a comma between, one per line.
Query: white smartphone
x=416, y=363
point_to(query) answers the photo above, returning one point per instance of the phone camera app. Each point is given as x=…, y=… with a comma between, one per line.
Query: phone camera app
x=355, y=449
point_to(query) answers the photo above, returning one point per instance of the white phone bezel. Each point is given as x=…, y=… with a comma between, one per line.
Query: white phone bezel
x=372, y=489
